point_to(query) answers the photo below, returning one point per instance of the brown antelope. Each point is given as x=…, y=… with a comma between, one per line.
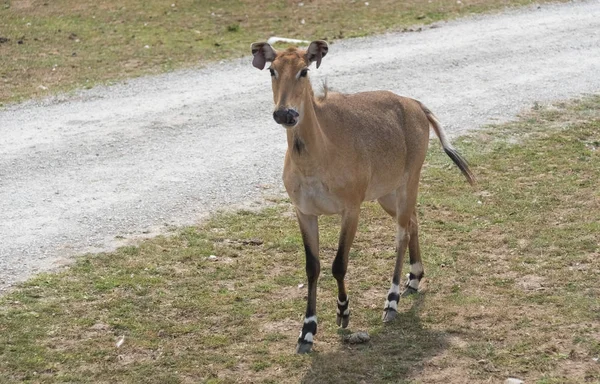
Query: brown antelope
x=343, y=150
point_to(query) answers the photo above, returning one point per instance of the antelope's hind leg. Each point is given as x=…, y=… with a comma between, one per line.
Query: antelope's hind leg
x=414, y=252
x=309, y=227
x=406, y=237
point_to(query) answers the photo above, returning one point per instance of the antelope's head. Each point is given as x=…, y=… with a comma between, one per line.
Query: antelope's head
x=289, y=77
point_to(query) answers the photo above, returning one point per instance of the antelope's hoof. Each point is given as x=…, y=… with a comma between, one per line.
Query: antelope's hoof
x=303, y=347
x=389, y=314
x=343, y=313
x=309, y=330
x=409, y=291
x=342, y=321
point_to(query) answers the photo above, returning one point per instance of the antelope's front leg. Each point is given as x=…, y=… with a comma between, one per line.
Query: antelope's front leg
x=309, y=227
x=340, y=265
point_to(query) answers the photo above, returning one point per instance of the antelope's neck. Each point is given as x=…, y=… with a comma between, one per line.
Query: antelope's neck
x=306, y=140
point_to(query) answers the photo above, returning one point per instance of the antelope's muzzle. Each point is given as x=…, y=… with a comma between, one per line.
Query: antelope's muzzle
x=287, y=117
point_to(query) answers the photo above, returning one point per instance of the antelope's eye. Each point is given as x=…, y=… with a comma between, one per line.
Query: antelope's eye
x=304, y=72
x=272, y=72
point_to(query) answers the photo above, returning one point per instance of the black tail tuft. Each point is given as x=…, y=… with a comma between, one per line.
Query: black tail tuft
x=461, y=163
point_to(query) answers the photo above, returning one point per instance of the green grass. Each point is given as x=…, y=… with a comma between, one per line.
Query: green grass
x=512, y=286
x=60, y=45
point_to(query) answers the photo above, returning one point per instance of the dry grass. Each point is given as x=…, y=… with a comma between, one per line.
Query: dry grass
x=512, y=287
x=53, y=46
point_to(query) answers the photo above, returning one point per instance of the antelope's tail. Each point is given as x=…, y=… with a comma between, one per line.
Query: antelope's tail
x=460, y=162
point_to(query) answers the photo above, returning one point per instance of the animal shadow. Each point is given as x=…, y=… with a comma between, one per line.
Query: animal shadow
x=394, y=355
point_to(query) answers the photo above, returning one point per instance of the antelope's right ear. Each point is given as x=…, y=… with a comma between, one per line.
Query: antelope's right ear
x=262, y=53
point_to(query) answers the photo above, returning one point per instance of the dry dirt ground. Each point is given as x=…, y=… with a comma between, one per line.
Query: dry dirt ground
x=89, y=171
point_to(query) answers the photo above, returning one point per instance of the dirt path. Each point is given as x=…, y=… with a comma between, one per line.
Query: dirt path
x=130, y=160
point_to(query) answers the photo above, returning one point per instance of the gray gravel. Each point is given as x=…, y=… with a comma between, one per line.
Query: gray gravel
x=131, y=159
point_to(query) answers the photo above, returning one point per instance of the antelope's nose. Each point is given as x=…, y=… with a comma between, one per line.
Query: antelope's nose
x=286, y=116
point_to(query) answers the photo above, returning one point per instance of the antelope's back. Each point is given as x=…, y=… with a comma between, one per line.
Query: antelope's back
x=377, y=121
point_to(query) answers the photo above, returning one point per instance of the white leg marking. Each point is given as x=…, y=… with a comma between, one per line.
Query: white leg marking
x=310, y=319
x=308, y=337
x=342, y=303
x=400, y=234
x=391, y=304
x=416, y=269
x=414, y=284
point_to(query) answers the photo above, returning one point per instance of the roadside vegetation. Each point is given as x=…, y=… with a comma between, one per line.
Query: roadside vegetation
x=54, y=46
x=511, y=289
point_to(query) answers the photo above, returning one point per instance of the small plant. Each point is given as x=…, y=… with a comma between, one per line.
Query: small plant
x=233, y=28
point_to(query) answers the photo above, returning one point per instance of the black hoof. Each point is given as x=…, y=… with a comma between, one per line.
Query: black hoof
x=303, y=347
x=342, y=321
x=389, y=314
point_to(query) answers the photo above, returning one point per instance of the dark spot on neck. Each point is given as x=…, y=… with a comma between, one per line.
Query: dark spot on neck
x=298, y=145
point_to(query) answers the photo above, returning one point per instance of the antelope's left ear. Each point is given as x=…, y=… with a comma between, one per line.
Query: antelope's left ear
x=262, y=53
x=316, y=51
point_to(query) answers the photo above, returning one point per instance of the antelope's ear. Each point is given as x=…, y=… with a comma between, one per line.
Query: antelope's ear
x=262, y=53
x=316, y=51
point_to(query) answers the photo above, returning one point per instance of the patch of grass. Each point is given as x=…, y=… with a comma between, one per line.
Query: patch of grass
x=54, y=46
x=512, y=284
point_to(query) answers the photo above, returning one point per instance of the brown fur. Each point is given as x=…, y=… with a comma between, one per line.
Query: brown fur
x=343, y=150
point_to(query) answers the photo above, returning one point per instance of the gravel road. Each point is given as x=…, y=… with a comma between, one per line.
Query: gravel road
x=78, y=173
